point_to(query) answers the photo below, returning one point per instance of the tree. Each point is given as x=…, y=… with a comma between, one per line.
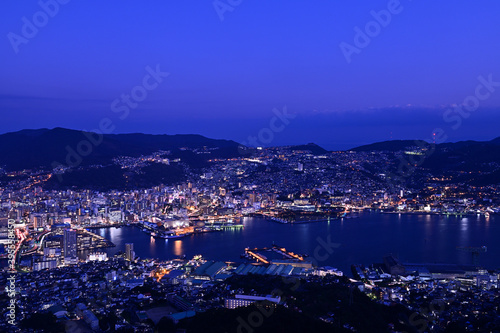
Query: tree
x=166, y=325
x=42, y=321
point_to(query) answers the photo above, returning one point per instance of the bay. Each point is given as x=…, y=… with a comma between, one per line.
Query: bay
x=363, y=240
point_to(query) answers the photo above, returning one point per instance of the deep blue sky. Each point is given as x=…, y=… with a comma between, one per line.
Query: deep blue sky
x=227, y=76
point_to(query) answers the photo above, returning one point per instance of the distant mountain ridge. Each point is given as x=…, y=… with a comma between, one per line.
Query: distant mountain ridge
x=398, y=145
x=27, y=149
x=477, y=162
x=79, y=159
x=312, y=147
x=392, y=145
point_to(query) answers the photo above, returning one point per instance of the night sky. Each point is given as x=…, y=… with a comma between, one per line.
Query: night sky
x=231, y=62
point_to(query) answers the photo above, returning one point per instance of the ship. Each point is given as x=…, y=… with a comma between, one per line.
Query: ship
x=170, y=235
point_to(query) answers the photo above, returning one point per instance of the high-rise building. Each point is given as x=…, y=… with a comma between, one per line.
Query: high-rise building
x=251, y=198
x=70, y=247
x=129, y=251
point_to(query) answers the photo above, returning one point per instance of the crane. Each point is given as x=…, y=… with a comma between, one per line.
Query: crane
x=474, y=251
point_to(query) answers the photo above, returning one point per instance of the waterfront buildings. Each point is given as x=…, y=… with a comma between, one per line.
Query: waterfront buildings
x=87, y=295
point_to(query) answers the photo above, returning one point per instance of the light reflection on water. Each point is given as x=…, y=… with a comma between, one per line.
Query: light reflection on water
x=178, y=247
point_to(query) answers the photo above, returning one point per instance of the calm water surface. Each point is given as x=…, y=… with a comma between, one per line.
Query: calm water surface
x=363, y=240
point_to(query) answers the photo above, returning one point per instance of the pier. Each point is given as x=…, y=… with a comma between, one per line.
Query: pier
x=253, y=253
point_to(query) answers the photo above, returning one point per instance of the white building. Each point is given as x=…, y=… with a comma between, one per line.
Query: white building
x=245, y=300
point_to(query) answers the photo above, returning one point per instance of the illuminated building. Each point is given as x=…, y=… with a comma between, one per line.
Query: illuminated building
x=70, y=247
